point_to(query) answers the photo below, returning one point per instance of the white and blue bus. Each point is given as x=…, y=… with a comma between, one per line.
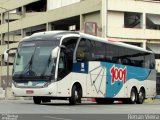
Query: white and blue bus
x=73, y=65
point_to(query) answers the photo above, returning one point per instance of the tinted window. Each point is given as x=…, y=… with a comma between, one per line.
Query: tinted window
x=112, y=53
x=97, y=51
x=126, y=56
x=83, y=50
x=152, y=61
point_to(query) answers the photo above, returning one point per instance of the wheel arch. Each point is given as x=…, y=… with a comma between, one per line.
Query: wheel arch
x=134, y=87
x=79, y=86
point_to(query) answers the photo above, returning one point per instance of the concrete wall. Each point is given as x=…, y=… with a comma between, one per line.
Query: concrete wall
x=53, y=15
x=134, y=6
x=94, y=17
x=116, y=29
x=12, y=4
x=158, y=65
x=53, y=4
x=115, y=19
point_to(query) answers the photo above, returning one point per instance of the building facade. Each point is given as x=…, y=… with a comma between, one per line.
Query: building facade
x=132, y=21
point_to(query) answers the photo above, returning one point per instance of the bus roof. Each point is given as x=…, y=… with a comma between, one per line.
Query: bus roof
x=114, y=42
x=49, y=34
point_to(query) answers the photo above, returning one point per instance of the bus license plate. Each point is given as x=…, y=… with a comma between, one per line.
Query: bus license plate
x=29, y=91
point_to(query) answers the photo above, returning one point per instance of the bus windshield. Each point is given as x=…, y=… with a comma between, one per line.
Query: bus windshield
x=34, y=61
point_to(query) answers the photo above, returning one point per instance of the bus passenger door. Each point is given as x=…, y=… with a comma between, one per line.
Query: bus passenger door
x=65, y=65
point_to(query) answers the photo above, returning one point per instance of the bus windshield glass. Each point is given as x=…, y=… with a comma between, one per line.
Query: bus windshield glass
x=34, y=60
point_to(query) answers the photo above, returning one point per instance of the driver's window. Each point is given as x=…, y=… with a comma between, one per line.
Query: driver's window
x=66, y=57
x=61, y=61
x=62, y=67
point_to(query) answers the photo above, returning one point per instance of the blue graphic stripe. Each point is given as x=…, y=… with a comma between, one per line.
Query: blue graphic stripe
x=137, y=73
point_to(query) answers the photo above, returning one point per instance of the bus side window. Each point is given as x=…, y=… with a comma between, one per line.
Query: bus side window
x=152, y=61
x=97, y=51
x=62, y=67
x=83, y=51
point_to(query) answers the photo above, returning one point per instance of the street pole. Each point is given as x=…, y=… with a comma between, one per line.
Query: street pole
x=8, y=57
x=7, y=81
x=104, y=13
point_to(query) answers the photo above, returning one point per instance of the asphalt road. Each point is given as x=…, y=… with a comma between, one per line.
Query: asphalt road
x=26, y=110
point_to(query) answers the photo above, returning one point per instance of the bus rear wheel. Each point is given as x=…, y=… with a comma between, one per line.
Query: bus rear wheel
x=37, y=100
x=75, y=96
x=133, y=97
x=141, y=96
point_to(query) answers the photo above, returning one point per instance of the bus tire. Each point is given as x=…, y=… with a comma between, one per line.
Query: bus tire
x=133, y=96
x=37, y=100
x=75, y=96
x=141, y=96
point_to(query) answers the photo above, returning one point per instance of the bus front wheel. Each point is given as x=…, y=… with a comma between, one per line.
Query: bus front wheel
x=75, y=96
x=37, y=100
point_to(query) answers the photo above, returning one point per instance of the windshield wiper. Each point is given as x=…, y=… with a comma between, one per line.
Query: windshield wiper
x=29, y=66
x=47, y=66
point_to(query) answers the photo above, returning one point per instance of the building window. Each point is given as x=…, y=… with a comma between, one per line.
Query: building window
x=132, y=20
x=153, y=21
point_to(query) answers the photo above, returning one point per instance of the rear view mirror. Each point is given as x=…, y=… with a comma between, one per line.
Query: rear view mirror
x=7, y=52
x=55, y=52
x=6, y=55
x=62, y=46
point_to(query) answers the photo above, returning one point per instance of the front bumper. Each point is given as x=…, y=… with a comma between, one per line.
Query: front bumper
x=23, y=92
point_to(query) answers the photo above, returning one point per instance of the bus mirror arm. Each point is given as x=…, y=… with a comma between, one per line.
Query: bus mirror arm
x=62, y=46
x=55, y=52
x=6, y=52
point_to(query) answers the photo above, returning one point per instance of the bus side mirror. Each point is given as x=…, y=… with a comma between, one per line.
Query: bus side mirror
x=55, y=52
x=7, y=52
x=6, y=55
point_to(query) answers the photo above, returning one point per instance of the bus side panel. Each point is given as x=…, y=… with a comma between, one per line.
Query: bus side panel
x=63, y=86
x=121, y=79
x=151, y=85
x=96, y=80
x=91, y=76
x=79, y=78
x=126, y=89
x=151, y=88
